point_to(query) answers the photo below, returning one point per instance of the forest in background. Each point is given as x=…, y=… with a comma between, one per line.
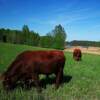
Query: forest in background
x=54, y=39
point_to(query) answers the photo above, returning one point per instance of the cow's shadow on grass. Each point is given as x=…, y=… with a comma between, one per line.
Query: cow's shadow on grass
x=51, y=80
x=67, y=79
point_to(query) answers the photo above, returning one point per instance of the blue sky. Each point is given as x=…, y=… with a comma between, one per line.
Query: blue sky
x=80, y=18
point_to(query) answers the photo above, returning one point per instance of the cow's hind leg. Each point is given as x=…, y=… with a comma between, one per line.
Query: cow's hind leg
x=59, y=78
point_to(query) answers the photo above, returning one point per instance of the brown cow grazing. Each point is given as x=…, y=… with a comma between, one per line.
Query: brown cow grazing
x=30, y=64
x=77, y=54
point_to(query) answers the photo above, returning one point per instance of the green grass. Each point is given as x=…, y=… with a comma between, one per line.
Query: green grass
x=84, y=85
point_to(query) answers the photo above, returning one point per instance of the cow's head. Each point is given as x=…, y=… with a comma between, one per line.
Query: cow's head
x=8, y=83
x=78, y=57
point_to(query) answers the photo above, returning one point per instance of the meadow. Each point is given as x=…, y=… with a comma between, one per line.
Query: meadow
x=82, y=80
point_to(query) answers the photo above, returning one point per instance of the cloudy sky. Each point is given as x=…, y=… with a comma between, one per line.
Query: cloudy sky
x=80, y=18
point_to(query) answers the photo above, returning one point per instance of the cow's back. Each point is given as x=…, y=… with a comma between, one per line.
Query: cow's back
x=44, y=60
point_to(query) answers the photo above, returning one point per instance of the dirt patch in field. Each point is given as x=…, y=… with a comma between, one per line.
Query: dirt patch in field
x=91, y=50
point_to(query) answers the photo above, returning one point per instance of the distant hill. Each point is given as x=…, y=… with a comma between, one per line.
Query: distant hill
x=83, y=43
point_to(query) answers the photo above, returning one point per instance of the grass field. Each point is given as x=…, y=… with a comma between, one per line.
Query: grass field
x=84, y=83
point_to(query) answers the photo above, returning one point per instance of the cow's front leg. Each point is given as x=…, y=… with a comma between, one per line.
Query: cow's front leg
x=35, y=77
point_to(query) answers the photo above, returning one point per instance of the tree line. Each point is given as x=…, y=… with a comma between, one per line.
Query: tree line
x=84, y=43
x=54, y=39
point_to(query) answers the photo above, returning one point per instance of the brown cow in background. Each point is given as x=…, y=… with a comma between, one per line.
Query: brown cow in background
x=77, y=54
x=30, y=64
